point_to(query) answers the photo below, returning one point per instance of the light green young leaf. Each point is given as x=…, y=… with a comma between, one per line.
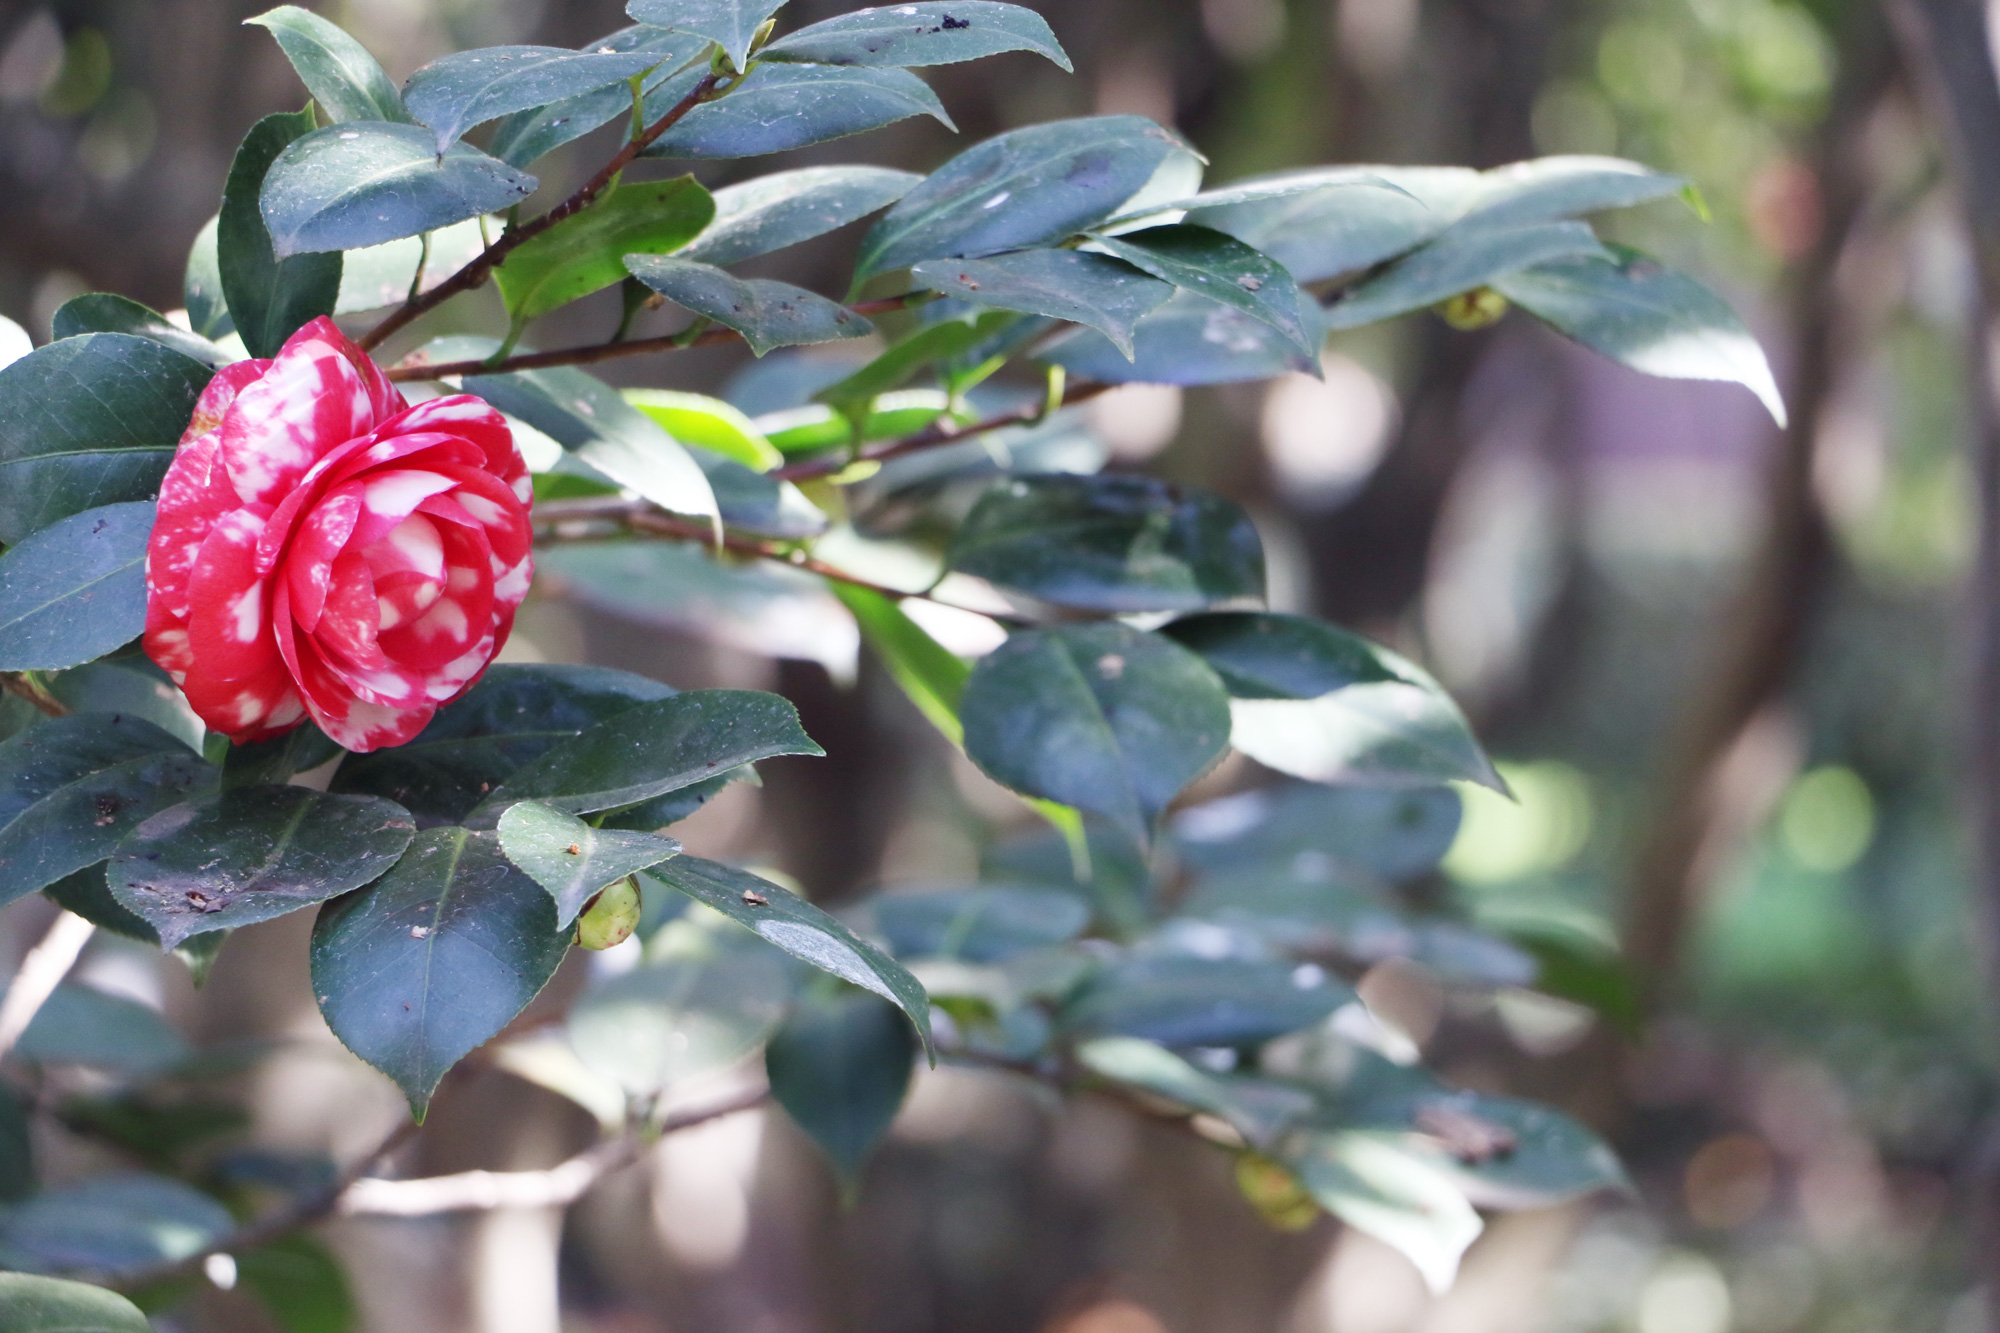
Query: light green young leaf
x=708, y=423
x=929, y=674
x=586, y=251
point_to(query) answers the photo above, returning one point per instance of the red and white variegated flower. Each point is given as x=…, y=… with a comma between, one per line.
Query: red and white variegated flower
x=324, y=548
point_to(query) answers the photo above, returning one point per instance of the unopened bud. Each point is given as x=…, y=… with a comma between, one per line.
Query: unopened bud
x=1474, y=309
x=611, y=917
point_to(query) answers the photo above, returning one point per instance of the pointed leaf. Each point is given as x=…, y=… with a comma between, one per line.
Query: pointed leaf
x=30, y=1304
x=467, y=88
x=89, y=421
x=270, y=297
x=104, y=312
x=768, y=314
x=781, y=107
x=586, y=251
x=1644, y=315
x=1458, y=262
x=840, y=1066
x=366, y=182
x=526, y=135
x=781, y=917
x=730, y=24
x=1027, y=187
x=1181, y=1001
x=252, y=854
x=417, y=971
x=945, y=341
x=1549, y=189
x=930, y=674
x=1188, y=340
x=656, y=748
x=925, y=33
x=1111, y=543
x=787, y=207
x=1261, y=656
x=1226, y=271
x=1101, y=717
x=75, y=590
x=343, y=78
x=111, y=1225
x=572, y=860
x=1103, y=293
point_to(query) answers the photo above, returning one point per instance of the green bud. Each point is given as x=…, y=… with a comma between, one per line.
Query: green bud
x=611, y=917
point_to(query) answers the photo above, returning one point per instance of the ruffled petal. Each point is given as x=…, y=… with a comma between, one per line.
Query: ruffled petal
x=214, y=401
x=314, y=398
x=229, y=620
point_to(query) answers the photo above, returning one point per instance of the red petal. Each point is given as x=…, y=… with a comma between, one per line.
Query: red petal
x=313, y=399
x=320, y=539
x=229, y=621
x=220, y=393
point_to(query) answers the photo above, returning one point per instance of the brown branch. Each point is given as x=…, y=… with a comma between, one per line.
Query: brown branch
x=939, y=432
x=22, y=686
x=475, y=273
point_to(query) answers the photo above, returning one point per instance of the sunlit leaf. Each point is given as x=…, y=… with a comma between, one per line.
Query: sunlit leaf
x=586, y=251
x=337, y=70
x=784, y=208
x=924, y=33
x=570, y=858
x=456, y=92
x=366, y=182
x=781, y=107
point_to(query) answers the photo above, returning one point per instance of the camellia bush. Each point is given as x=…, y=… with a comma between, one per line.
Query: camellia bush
x=257, y=570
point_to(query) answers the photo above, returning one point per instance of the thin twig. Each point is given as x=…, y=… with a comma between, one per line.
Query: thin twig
x=24, y=687
x=491, y=258
x=939, y=432
x=41, y=972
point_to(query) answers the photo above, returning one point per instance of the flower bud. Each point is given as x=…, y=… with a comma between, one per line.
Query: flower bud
x=611, y=917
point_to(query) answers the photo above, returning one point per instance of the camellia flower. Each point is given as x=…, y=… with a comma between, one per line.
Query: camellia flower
x=324, y=548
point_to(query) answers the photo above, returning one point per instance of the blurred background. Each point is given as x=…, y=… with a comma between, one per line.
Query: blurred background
x=1725, y=670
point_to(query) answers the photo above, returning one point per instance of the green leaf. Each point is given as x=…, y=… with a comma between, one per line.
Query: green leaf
x=781, y=107
x=1501, y=1152
x=708, y=423
x=89, y=421
x=1111, y=543
x=781, y=917
x=680, y=1018
x=73, y=787
x=1256, y=1109
x=467, y=88
x=767, y=313
x=337, y=70
x=252, y=854
x=76, y=589
x=421, y=968
x=1262, y=656
x=104, y=312
x=1226, y=271
x=927, y=33
x=270, y=296
x=984, y=924
x=86, y=894
x=201, y=286
x=655, y=748
x=572, y=860
x=30, y=1304
x=928, y=672
x=1180, y=1001
x=840, y=1066
x=381, y=275
x=1024, y=188
x=1371, y=1183
x=1188, y=340
x=512, y=717
x=730, y=24
x=526, y=135
x=111, y=1225
x=78, y=1025
x=1286, y=185
x=301, y=1284
x=1551, y=188
x=366, y=182
x=1396, y=834
x=132, y=685
x=786, y=207
x=586, y=251
x=1646, y=316
x=1455, y=262
x=278, y=761
x=1103, y=293
x=910, y=355
x=1101, y=717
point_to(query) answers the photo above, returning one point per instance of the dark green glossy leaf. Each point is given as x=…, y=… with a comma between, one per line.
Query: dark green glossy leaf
x=1644, y=315
x=730, y=24
x=1179, y=1001
x=781, y=107
x=781, y=917
x=1188, y=340
x=1101, y=717
x=78, y=1025
x=1459, y=261
x=301, y=1283
x=1257, y=1109
x=767, y=313
x=1224, y=270
x=1103, y=293
x=467, y=88
x=586, y=251
x=982, y=925
x=924, y=33
x=337, y=70
x=526, y=135
x=1261, y=656
x=76, y=589
x=105, y=312
x=1395, y=834
x=571, y=859
x=840, y=1067
x=89, y=421
x=1111, y=543
x=787, y=207
x=681, y=1017
x=1024, y=188
x=656, y=748
x=73, y=787
x=929, y=673
x=424, y=966
x=512, y=717
x=109, y=1225
x=129, y=683
x=270, y=297
x=30, y=1304
x=252, y=854
x=201, y=285
x=86, y=894
x=17, y=1157
x=367, y=182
